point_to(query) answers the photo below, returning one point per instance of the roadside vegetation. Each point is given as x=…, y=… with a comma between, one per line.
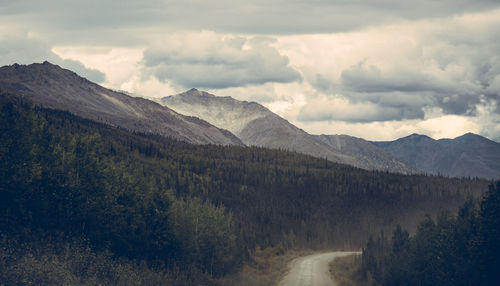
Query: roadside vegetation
x=345, y=271
x=460, y=249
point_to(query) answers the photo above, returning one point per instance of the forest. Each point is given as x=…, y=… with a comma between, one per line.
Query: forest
x=87, y=203
x=460, y=249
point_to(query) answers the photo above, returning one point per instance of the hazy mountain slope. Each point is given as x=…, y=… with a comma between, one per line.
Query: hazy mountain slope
x=53, y=87
x=468, y=155
x=256, y=125
x=251, y=122
x=472, y=155
x=418, y=151
x=233, y=114
x=363, y=151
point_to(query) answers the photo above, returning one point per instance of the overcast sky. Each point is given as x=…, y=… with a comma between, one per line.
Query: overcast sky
x=377, y=69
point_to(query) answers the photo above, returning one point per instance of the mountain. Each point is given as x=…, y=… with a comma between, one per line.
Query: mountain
x=53, y=87
x=418, y=151
x=365, y=152
x=469, y=155
x=256, y=125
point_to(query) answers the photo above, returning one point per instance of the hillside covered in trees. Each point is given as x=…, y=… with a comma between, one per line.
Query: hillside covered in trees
x=87, y=203
x=452, y=250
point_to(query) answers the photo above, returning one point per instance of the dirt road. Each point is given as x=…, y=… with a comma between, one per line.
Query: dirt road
x=312, y=270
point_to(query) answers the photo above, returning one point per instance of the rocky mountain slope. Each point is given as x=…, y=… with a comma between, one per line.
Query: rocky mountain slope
x=53, y=87
x=365, y=152
x=469, y=155
x=226, y=121
x=255, y=125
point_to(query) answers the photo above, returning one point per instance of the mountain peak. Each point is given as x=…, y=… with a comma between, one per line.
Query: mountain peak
x=472, y=137
x=197, y=93
x=469, y=155
x=255, y=125
x=417, y=137
x=35, y=67
x=41, y=74
x=54, y=87
x=469, y=135
x=222, y=111
x=44, y=64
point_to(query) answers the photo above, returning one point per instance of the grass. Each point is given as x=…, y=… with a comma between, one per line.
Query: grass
x=266, y=267
x=345, y=271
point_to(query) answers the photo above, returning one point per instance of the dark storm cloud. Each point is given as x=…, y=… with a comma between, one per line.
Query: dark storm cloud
x=84, y=22
x=411, y=89
x=208, y=60
x=84, y=14
x=363, y=78
x=21, y=49
x=369, y=114
x=237, y=16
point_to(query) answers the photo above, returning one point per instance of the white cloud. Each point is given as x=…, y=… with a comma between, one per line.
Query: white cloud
x=446, y=126
x=211, y=60
x=447, y=63
x=122, y=67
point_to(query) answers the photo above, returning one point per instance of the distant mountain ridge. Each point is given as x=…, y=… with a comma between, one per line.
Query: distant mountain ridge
x=469, y=155
x=53, y=87
x=364, y=151
x=256, y=125
x=210, y=119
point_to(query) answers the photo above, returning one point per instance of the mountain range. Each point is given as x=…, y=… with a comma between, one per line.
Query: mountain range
x=198, y=117
x=51, y=86
x=469, y=155
x=256, y=125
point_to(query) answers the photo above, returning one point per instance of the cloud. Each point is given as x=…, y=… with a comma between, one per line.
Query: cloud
x=404, y=86
x=370, y=79
x=113, y=21
x=493, y=88
x=402, y=70
x=211, y=60
x=22, y=49
x=340, y=109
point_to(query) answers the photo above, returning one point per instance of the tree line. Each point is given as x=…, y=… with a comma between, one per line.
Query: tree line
x=451, y=250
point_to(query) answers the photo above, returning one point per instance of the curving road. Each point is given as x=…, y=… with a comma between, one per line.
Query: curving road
x=312, y=270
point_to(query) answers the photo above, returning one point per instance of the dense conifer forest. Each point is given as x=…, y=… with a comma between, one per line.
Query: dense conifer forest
x=87, y=203
x=451, y=250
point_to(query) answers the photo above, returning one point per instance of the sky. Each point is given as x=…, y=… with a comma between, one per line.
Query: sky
x=376, y=69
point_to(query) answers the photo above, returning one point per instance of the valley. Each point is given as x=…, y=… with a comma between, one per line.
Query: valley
x=83, y=172
x=250, y=143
